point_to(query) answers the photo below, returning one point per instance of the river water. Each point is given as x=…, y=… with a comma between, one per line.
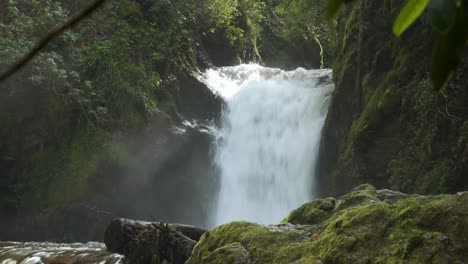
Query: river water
x=268, y=142
x=52, y=253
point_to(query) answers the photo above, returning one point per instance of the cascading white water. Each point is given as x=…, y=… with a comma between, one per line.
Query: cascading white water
x=268, y=142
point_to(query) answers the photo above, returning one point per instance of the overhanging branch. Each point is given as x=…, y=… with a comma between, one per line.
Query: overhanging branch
x=50, y=37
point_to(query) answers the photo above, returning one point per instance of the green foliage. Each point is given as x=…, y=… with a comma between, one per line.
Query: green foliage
x=417, y=167
x=60, y=175
x=221, y=13
x=304, y=21
x=449, y=49
x=442, y=14
x=408, y=14
x=333, y=7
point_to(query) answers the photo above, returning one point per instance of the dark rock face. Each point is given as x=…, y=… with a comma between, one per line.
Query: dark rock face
x=77, y=223
x=195, y=101
x=288, y=55
x=184, y=184
x=386, y=126
x=218, y=51
x=182, y=189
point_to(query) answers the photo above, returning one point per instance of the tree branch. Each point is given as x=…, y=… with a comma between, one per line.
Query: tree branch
x=50, y=37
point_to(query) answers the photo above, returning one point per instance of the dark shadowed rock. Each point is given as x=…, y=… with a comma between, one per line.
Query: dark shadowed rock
x=74, y=223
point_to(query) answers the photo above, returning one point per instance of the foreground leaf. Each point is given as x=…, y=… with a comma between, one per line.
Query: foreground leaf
x=333, y=7
x=444, y=63
x=442, y=14
x=410, y=12
x=448, y=51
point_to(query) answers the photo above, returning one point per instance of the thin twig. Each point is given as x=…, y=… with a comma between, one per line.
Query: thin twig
x=50, y=37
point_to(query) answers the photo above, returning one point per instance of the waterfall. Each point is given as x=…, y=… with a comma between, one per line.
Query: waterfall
x=268, y=142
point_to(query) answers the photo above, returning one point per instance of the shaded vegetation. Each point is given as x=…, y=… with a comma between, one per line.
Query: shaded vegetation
x=448, y=19
x=386, y=125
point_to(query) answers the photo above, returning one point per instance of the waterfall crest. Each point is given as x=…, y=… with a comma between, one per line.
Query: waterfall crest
x=268, y=141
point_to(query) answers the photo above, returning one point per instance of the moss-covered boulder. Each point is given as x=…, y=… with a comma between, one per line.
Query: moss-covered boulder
x=364, y=226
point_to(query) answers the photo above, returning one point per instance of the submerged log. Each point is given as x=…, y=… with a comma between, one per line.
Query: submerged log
x=151, y=242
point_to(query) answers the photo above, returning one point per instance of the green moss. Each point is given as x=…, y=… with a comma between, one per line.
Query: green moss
x=311, y=213
x=383, y=103
x=417, y=168
x=60, y=174
x=340, y=69
x=231, y=253
x=366, y=226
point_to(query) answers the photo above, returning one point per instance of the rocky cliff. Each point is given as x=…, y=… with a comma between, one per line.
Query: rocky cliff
x=386, y=126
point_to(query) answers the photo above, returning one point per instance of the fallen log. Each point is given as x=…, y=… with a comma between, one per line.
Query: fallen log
x=151, y=242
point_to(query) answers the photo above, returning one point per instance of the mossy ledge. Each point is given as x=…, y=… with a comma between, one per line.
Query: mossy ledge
x=364, y=226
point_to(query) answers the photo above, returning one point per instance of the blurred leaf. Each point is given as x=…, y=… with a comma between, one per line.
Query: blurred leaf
x=442, y=14
x=410, y=12
x=333, y=7
x=444, y=62
x=448, y=51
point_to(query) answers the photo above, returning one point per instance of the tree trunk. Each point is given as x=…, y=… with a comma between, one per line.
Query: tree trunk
x=151, y=242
